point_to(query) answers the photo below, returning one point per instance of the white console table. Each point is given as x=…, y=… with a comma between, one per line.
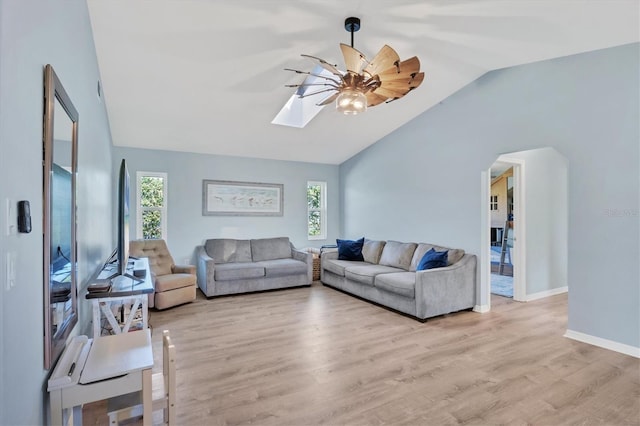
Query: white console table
x=93, y=370
x=123, y=290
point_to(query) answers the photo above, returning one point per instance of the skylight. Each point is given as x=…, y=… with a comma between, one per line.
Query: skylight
x=297, y=112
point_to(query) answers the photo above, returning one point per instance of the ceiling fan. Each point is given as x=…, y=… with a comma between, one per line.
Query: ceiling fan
x=364, y=83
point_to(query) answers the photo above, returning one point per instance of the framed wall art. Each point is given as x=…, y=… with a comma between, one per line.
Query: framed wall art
x=228, y=198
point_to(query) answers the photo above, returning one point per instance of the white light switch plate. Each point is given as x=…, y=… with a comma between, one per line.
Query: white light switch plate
x=11, y=271
x=10, y=220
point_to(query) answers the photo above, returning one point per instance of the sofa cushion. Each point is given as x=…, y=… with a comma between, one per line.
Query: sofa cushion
x=282, y=267
x=418, y=255
x=365, y=274
x=237, y=271
x=371, y=250
x=173, y=281
x=270, y=248
x=224, y=250
x=338, y=266
x=453, y=255
x=432, y=259
x=402, y=283
x=350, y=249
x=397, y=254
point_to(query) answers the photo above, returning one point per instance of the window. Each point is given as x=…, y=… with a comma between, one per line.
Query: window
x=493, y=204
x=317, y=210
x=152, y=205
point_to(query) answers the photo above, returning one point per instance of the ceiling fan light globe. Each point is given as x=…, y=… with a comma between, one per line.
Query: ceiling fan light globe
x=351, y=102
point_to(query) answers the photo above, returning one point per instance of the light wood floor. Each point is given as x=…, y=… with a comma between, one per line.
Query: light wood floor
x=314, y=355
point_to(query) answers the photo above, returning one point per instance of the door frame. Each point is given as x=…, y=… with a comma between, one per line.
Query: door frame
x=519, y=234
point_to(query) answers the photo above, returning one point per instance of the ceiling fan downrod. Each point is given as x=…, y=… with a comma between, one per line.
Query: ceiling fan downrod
x=352, y=24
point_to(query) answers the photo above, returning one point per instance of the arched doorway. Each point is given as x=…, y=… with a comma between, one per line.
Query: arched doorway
x=540, y=212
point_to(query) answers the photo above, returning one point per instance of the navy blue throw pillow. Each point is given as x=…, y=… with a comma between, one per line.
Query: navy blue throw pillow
x=433, y=259
x=350, y=249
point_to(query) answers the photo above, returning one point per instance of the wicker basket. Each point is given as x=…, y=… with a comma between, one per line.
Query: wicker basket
x=315, y=252
x=316, y=267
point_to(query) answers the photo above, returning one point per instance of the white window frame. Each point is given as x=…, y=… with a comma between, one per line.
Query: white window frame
x=322, y=210
x=140, y=209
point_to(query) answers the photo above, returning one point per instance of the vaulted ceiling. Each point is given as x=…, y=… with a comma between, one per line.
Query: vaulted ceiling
x=207, y=76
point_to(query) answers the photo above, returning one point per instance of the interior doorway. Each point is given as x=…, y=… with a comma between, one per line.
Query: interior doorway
x=537, y=247
x=514, y=262
x=503, y=223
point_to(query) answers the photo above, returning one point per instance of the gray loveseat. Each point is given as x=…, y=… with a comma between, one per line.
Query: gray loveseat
x=228, y=266
x=388, y=276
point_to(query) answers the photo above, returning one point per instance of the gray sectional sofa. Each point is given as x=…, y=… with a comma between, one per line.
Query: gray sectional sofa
x=388, y=276
x=229, y=266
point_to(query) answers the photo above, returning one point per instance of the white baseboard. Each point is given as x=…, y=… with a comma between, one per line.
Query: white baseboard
x=481, y=308
x=546, y=293
x=604, y=343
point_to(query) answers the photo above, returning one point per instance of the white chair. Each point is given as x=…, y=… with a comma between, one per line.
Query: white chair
x=163, y=394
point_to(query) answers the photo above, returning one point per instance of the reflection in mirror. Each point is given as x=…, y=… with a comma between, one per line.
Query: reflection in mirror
x=60, y=168
x=61, y=224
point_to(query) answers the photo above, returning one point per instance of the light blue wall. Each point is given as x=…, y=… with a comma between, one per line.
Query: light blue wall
x=187, y=227
x=421, y=182
x=32, y=34
x=546, y=211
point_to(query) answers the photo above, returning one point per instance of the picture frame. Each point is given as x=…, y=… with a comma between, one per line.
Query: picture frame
x=231, y=198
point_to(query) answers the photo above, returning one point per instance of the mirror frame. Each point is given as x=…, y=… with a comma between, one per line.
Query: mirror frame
x=54, y=343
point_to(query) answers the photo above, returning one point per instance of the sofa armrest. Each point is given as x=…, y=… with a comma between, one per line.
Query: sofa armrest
x=329, y=254
x=443, y=290
x=324, y=256
x=305, y=257
x=205, y=269
x=184, y=269
x=299, y=255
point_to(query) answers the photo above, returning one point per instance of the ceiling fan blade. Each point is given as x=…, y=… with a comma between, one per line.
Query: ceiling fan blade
x=390, y=93
x=312, y=74
x=318, y=76
x=374, y=99
x=353, y=59
x=406, y=83
x=416, y=80
x=398, y=70
x=383, y=60
x=397, y=86
x=326, y=65
x=401, y=85
x=399, y=79
x=403, y=76
x=316, y=92
x=305, y=85
x=410, y=65
x=329, y=99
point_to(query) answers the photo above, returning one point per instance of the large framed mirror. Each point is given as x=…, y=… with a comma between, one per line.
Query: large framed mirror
x=60, y=167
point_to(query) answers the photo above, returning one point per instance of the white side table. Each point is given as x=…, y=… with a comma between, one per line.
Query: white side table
x=116, y=365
